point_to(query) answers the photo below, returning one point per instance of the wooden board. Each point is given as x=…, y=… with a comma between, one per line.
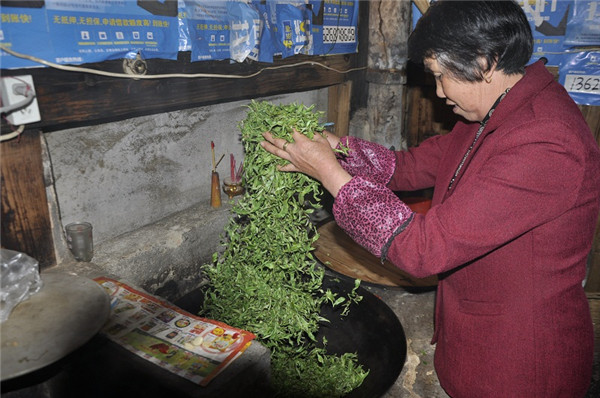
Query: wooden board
x=72, y=99
x=338, y=108
x=337, y=251
x=26, y=225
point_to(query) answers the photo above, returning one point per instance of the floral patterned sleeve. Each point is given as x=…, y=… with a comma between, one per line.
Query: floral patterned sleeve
x=367, y=159
x=371, y=214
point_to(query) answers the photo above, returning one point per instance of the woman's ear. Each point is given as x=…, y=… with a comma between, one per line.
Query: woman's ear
x=488, y=75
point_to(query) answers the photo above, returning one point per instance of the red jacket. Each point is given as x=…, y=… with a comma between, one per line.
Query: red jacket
x=509, y=241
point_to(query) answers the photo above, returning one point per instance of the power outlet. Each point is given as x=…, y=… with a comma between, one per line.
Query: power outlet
x=25, y=115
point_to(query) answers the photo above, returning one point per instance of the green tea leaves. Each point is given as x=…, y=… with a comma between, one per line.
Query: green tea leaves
x=266, y=279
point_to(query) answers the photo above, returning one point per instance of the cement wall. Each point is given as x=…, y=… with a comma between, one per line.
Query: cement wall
x=124, y=175
x=144, y=185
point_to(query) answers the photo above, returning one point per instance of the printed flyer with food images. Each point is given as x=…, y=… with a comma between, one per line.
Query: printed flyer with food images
x=192, y=347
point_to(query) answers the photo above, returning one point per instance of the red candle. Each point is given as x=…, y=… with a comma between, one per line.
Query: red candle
x=232, y=161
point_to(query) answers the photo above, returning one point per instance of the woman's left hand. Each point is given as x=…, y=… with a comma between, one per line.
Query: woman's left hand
x=312, y=157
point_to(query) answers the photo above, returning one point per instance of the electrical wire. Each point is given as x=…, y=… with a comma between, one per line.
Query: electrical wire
x=12, y=135
x=169, y=75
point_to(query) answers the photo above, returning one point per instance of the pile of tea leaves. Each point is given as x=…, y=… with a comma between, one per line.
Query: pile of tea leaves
x=266, y=280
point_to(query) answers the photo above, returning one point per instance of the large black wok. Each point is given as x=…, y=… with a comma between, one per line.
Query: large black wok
x=371, y=329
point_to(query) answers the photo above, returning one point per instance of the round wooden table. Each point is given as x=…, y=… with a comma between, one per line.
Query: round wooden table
x=64, y=315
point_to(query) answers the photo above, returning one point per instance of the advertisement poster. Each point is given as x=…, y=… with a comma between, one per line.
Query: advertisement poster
x=580, y=75
x=556, y=26
x=25, y=30
x=88, y=31
x=548, y=20
x=84, y=31
x=335, y=27
x=583, y=26
x=195, y=348
x=208, y=27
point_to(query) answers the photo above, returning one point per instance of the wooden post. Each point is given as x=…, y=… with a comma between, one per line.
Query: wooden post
x=338, y=109
x=389, y=28
x=26, y=225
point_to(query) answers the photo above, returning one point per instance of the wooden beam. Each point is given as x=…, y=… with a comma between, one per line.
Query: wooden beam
x=72, y=99
x=338, y=109
x=26, y=224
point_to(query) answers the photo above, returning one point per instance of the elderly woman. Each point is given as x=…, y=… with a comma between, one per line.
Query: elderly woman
x=516, y=200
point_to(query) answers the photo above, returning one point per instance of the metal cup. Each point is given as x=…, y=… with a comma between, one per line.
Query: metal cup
x=80, y=241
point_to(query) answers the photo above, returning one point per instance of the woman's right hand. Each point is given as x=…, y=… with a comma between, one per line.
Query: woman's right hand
x=314, y=157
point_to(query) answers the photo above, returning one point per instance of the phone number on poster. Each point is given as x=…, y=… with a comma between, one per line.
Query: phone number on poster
x=583, y=84
x=339, y=34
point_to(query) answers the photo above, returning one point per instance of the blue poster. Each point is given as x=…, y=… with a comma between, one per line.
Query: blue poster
x=335, y=26
x=583, y=26
x=184, y=33
x=208, y=26
x=89, y=31
x=548, y=20
x=293, y=30
x=580, y=75
x=24, y=30
x=84, y=31
x=94, y=31
x=290, y=26
x=245, y=30
x=266, y=45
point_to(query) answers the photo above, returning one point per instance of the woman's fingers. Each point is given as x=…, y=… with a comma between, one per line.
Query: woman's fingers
x=304, y=154
x=276, y=146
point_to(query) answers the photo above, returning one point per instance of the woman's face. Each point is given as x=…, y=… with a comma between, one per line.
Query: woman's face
x=468, y=99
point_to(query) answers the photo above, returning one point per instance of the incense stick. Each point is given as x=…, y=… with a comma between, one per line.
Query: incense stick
x=221, y=158
x=238, y=175
x=232, y=167
x=212, y=149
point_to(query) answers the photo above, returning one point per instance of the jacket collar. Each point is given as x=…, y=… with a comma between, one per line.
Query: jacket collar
x=536, y=78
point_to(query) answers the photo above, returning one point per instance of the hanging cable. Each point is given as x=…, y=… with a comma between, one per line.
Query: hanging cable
x=12, y=135
x=169, y=75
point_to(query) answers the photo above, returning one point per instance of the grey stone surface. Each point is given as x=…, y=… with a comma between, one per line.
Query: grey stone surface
x=414, y=309
x=124, y=175
x=165, y=257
